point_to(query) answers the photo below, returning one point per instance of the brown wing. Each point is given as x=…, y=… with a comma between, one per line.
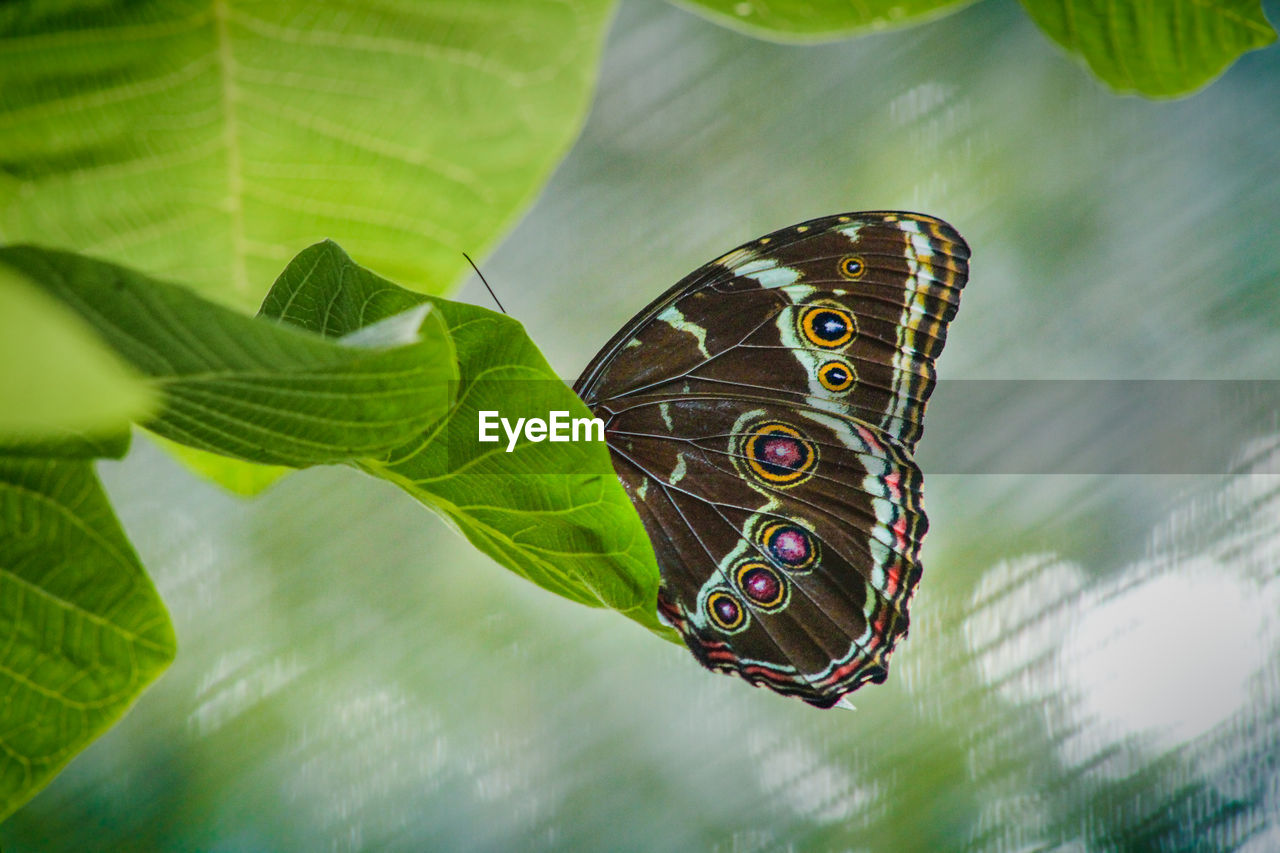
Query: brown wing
x=761, y=414
x=788, y=537
x=753, y=321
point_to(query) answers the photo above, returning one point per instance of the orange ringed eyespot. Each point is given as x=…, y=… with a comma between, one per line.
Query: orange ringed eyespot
x=852, y=267
x=835, y=376
x=762, y=586
x=827, y=326
x=790, y=545
x=779, y=454
x=725, y=611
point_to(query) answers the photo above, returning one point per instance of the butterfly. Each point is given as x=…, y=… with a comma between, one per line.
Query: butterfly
x=762, y=415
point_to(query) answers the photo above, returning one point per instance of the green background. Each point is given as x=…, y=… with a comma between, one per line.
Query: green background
x=1094, y=661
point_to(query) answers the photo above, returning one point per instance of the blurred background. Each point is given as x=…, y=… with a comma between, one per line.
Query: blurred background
x=1094, y=660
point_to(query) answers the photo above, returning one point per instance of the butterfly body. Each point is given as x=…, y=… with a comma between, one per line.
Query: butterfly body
x=762, y=414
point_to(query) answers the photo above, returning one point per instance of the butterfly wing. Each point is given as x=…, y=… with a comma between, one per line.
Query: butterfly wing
x=761, y=415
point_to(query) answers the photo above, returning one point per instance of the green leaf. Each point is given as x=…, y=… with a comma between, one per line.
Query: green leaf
x=1159, y=49
x=818, y=20
x=82, y=628
x=206, y=141
x=235, y=475
x=251, y=388
x=553, y=513
x=70, y=445
x=60, y=385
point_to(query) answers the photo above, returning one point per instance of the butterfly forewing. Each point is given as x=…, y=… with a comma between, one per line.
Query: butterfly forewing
x=761, y=415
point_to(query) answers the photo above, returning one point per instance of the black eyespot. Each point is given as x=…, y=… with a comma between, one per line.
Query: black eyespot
x=827, y=327
x=790, y=545
x=852, y=267
x=725, y=611
x=835, y=376
x=762, y=586
x=779, y=454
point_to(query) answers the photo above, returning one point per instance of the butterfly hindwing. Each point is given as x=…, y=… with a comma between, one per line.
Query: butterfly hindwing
x=761, y=415
x=818, y=552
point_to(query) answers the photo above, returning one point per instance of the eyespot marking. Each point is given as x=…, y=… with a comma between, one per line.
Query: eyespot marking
x=789, y=544
x=762, y=586
x=779, y=454
x=836, y=375
x=852, y=267
x=725, y=612
x=827, y=325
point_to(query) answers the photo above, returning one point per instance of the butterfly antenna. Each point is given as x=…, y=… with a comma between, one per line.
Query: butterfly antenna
x=486, y=284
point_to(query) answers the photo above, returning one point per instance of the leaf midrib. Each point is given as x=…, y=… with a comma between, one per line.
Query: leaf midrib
x=229, y=94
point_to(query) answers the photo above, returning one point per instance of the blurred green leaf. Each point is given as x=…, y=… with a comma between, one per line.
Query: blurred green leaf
x=1162, y=49
x=206, y=141
x=818, y=20
x=70, y=444
x=254, y=389
x=1158, y=49
x=553, y=513
x=82, y=628
x=58, y=381
x=235, y=475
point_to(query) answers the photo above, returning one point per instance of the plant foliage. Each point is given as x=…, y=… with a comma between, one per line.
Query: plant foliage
x=82, y=628
x=207, y=140
x=341, y=366
x=1157, y=48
